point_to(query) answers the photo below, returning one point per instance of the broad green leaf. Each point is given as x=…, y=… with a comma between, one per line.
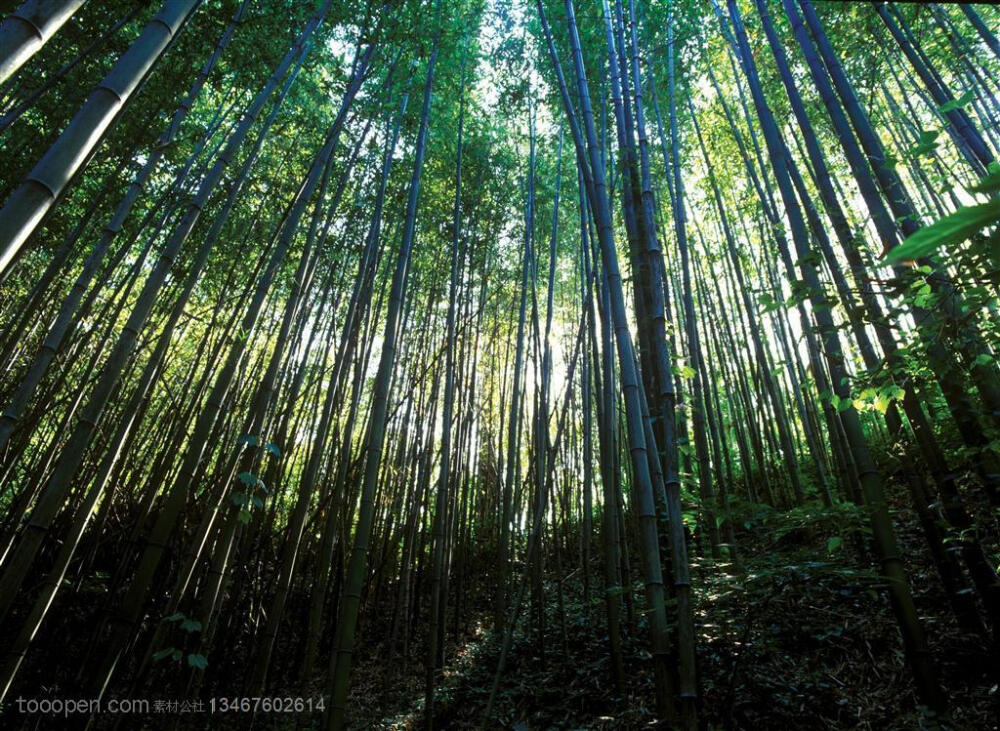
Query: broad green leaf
x=927, y=143
x=813, y=259
x=949, y=231
x=165, y=653
x=191, y=625
x=991, y=183
x=886, y=395
x=834, y=543
x=956, y=103
x=768, y=303
x=197, y=661
x=928, y=135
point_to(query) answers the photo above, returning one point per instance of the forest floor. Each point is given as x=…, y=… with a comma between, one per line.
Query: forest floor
x=801, y=638
x=790, y=643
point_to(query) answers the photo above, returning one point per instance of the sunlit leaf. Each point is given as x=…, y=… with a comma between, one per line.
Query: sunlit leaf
x=949, y=231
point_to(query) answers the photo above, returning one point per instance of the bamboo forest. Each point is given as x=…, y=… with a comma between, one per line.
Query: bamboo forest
x=499, y=364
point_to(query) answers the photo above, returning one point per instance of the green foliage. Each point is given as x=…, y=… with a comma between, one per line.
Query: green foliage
x=172, y=652
x=684, y=371
x=838, y=519
x=191, y=625
x=249, y=440
x=886, y=395
x=991, y=183
x=813, y=259
x=506, y=77
x=949, y=231
x=251, y=480
x=769, y=303
x=957, y=103
x=926, y=144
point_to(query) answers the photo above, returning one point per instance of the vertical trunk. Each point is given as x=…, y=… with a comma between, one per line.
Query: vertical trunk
x=871, y=481
x=604, y=369
x=591, y=163
x=444, y=477
x=511, y=471
x=355, y=579
x=705, y=487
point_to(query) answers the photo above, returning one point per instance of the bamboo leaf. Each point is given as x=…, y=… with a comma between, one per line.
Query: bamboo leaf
x=162, y=654
x=949, y=231
x=954, y=104
x=991, y=183
x=925, y=144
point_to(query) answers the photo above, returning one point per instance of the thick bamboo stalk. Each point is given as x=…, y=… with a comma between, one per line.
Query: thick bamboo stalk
x=27, y=29
x=32, y=199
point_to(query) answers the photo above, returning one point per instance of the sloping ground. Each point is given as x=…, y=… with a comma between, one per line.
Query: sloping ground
x=792, y=643
x=802, y=638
